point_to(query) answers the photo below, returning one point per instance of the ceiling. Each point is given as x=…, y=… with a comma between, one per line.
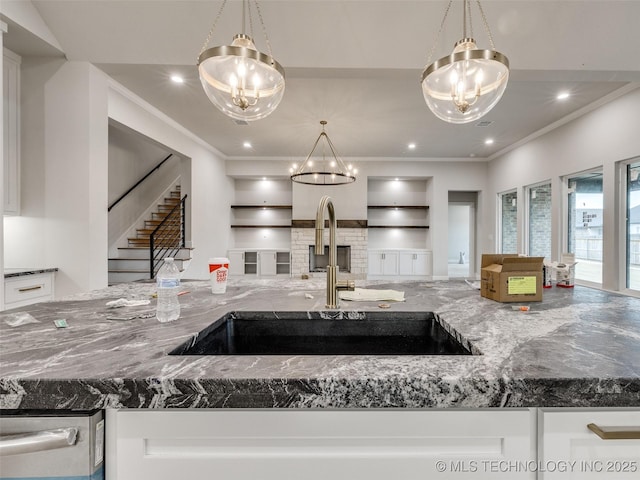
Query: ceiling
x=356, y=64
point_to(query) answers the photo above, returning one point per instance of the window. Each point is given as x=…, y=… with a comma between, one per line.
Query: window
x=633, y=225
x=539, y=220
x=584, y=224
x=508, y=222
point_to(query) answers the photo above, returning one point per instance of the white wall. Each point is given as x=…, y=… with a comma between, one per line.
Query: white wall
x=600, y=138
x=76, y=156
x=211, y=191
x=3, y=29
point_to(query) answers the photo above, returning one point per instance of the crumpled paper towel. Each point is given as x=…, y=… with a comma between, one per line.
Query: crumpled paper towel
x=366, y=295
x=123, y=302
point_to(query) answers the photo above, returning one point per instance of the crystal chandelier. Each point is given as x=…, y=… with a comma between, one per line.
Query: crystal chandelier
x=323, y=170
x=464, y=86
x=244, y=83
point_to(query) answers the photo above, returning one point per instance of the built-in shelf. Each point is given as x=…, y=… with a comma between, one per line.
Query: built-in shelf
x=261, y=207
x=398, y=226
x=260, y=226
x=397, y=207
x=406, y=207
x=271, y=207
x=340, y=223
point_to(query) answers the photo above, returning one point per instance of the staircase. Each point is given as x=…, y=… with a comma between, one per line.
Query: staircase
x=132, y=262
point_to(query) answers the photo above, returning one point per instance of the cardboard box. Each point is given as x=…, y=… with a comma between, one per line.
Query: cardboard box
x=565, y=270
x=511, y=278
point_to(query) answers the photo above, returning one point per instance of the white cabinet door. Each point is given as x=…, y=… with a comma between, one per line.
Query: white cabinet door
x=236, y=262
x=317, y=444
x=383, y=263
x=11, y=132
x=390, y=263
x=569, y=450
x=406, y=263
x=267, y=260
x=374, y=262
x=415, y=263
x=422, y=263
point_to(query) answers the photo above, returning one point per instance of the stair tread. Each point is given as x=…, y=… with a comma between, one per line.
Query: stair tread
x=142, y=248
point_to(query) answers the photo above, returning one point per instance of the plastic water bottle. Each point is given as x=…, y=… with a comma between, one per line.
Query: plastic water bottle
x=168, y=286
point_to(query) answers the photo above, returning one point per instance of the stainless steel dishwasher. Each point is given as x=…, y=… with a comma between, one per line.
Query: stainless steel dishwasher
x=51, y=444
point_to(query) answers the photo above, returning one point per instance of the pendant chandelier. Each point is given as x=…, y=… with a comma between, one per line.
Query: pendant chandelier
x=464, y=86
x=244, y=83
x=323, y=169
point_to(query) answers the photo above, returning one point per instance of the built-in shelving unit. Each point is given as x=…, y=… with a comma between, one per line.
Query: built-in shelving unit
x=261, y=213
x=397, y=216
x=392, y=224
x=261, y=207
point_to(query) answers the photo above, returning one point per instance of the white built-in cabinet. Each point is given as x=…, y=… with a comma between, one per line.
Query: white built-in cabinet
x=415, y=262
x=570, y=450
x=450, y=444
x=278, y=444
x=26, y=290
x=382, y=263
x=11, y=132
x=260, y=262
x=408, y=263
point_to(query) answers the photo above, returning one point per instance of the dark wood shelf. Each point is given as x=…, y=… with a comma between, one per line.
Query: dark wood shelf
x=260, y=226
x=399, y=226
x=340, y=223
x=406, y=207
x=272, y=207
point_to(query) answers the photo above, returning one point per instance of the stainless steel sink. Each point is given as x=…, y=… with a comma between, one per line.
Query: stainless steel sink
x=327, y=333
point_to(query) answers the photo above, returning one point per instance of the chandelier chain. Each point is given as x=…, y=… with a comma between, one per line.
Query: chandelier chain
x=264, y=29
x=486, y=25
x=213, y=27
x=437, y=37
x=470, y=18
x=250, y=19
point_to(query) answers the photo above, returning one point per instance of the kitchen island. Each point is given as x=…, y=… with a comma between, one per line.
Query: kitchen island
x=578, y=347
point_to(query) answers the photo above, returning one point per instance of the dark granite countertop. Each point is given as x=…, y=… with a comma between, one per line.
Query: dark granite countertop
x=20, y=272
x=578, y=347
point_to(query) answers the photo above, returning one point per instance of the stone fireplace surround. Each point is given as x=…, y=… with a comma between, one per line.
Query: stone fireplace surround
x=356, y=238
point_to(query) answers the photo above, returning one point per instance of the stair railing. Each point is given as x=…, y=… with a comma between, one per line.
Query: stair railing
x=167, y=238
x=139, y=182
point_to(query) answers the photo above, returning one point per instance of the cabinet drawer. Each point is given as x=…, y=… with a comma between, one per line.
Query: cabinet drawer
x=317, y=444
x=21, y=291
x=567, y=443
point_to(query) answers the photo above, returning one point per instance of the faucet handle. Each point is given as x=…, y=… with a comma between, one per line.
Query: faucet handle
x=346, y=285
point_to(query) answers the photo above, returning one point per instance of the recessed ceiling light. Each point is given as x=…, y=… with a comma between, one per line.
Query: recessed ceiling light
x=177, y=79
x=397, y=179
x=411, y=146
x=246, y=144
x=488, y=141
x=563, y=95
